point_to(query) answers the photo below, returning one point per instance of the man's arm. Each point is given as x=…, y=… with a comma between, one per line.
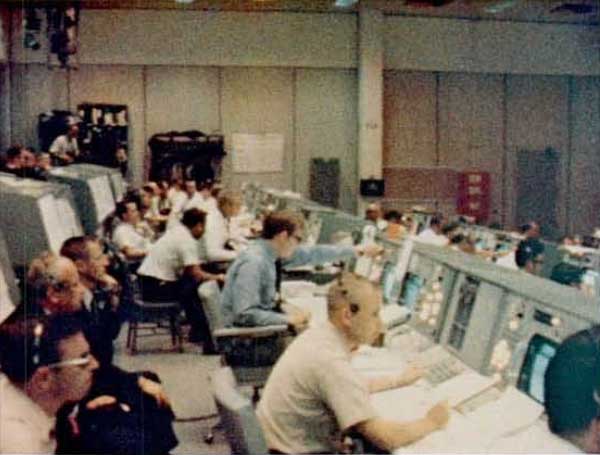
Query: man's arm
x=390, y=435
x=196, y=272
x=321, y=254
x=214, y=239
x=407, y=377
x=248, y=309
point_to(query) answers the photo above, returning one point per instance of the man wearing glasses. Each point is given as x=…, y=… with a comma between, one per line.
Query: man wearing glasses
x=46, y=362
x=120, y=406
x=249, y=296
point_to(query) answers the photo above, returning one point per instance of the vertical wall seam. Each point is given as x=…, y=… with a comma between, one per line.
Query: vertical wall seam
x=294, y=142
x=437, y=119
x=569, y=221
x=504, y=197
x=220, y=97
x=145, y=156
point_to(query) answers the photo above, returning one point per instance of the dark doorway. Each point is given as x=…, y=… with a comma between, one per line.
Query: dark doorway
x=537, y=189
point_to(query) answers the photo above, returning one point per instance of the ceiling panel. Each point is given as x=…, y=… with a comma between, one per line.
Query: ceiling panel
x=511, y=10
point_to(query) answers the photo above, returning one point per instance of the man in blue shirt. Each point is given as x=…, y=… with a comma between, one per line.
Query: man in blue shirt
x=249, y=295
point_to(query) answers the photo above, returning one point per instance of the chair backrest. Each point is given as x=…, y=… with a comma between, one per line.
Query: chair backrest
x=210, y=297
x=242, y=428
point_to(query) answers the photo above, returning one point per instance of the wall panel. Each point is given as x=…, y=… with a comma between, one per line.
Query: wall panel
x=116, y=85
x=326, y=119
x=182, y=98
x=409, y=113
x=34, y=89
x=471, y=126
x=583, y=202
x=258, y=101
x=537, y=118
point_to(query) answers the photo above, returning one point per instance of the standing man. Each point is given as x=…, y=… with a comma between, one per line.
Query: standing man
x=314, y=396
x=249, y=296
x=46, y=363
x=65, y=148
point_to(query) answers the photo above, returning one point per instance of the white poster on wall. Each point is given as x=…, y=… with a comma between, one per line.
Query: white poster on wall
x=255, y=153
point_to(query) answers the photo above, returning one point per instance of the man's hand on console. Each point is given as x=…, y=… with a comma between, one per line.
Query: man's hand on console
x=439, y=415
x=297, y=317
x=370, y=250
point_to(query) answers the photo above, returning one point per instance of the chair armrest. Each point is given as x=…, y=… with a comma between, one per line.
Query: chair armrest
x=251, y=332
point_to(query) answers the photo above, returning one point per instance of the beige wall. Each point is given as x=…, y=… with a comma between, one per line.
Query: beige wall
x=457, y=94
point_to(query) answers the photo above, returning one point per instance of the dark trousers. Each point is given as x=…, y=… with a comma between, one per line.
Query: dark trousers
x=186, y=292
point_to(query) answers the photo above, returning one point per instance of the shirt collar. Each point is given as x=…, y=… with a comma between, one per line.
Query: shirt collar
x=24, y=408
x=339, y=338
x=268, y=249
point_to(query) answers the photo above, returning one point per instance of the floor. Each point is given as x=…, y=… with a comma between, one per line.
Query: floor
x=185, y=378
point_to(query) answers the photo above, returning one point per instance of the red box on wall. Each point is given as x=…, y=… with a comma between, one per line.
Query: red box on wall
x=473, y=197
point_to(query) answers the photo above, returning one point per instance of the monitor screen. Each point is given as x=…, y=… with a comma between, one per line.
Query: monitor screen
x=118, y=185
x=464, y=309
x=53, y=223
x=6, y=303
x=531, y=378
x=103, y=197
x=69, y=218
x=390, y=286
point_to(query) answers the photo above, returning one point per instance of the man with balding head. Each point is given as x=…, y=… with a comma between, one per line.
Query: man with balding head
x=314, y=396
x=121, y=406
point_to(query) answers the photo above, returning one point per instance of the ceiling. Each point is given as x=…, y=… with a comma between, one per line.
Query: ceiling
x=557, y=11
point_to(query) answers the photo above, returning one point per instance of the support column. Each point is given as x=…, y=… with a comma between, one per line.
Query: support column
x=370, y=97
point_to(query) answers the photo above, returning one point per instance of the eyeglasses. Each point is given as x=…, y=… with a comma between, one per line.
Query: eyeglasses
x=85, y=359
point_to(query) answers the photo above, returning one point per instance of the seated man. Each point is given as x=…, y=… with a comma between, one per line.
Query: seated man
x=100, y=302
x=13, y=161
x=314, y=396
x=218, y=233
x=65, y=148
x=249, y=296
x=129, y=241
x=529, y=256
x=572, y=391
x=433, y=235
x=46, y=363
x=120, y=405
x=172, y=271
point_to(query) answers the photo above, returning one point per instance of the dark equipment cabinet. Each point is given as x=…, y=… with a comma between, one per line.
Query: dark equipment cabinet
x=190, y=154
x=103, y=130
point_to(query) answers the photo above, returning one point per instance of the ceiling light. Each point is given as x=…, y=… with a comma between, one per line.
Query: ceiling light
x=345, y=3
x=184, y=1
x=496, y=8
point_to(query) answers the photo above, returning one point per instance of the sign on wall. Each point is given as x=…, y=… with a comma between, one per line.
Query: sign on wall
x=257, y=153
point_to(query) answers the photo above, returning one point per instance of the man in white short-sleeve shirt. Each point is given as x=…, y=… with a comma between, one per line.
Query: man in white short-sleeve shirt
x=172, y=271
x=129, y=241
x=314, y=396
x=218, y=228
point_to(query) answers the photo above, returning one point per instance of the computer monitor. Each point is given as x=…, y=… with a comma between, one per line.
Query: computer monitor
x=117, y=184
x=390, y=285
x=34, y=223
x=531, y=378
x=464, y=310
x=9, y=293
x=92, y=194
x=103, y=196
